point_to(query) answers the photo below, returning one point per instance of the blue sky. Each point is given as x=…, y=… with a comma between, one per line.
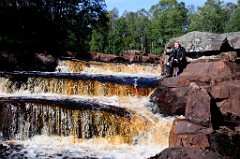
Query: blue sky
x=135, y=5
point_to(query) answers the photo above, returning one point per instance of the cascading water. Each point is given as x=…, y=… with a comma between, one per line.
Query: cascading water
x=84, y=109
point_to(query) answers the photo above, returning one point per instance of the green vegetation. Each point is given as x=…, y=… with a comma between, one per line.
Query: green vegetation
x=85, y=25
x=50, y=25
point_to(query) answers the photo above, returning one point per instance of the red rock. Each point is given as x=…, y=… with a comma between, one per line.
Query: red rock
x=185, y=133
x=101, y=56
x=168, y=101
x=225, y=142
x=229, y=56
x=181, y=126
x=207, y=68
x=187, y=153
x=198, y=105
x=227, y=93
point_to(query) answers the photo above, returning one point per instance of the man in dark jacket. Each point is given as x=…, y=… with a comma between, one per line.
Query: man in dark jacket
x=176, y=58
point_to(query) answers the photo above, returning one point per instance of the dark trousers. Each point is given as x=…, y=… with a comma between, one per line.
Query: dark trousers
x=169, y=67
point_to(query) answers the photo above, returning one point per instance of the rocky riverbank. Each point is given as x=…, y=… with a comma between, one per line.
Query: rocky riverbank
x=207, y=95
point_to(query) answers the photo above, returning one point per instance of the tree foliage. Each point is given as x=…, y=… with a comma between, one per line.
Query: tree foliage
x=211, y=17
x=234, y=17
x=169, y=20
x=85, y=25
x=50, y=25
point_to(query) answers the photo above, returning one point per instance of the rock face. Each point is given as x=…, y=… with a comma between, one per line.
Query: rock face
x=43, y=62
x=167, y=101
x=198, y=105
x=227, y=95
x=208, y=93
x=125, y=56
x=186, y=133
x=27, y=62
x=200, y=42
x=137, y=56
x=171, y=94
x=187, y=153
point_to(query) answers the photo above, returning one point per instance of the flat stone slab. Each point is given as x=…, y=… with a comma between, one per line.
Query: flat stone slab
x=199, y=42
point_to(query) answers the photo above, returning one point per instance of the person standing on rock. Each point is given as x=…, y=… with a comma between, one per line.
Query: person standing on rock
x=176, y=59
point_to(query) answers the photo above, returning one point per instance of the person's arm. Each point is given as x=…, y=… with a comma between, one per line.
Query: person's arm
x=183, y=54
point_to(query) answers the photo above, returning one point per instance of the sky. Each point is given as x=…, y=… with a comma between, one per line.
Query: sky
x=135, y=5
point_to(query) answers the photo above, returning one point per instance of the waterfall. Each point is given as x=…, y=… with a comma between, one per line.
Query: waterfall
x=83, y=109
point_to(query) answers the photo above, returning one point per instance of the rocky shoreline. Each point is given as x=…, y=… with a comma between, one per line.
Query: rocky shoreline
x=209, y=101
x=207, y=95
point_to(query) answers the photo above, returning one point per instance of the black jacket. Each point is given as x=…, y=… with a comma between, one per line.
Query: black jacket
x=178, y=54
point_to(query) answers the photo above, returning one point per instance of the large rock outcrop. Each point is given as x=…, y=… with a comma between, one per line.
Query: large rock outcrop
x=170, y=97
x=21, y=61
x=207, y=93
x=203, y=42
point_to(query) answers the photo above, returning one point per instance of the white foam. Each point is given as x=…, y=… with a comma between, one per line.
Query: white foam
x=50, y=146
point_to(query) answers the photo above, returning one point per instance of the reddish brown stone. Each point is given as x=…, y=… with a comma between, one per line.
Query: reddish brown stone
x=198, y=105
x=207, y=68
x=168, y=101
x=181, y=126
x=227, y=93
x=138, y=56
x=229, y=56
x=185, y=133
x=225, y=142
x=187, y=153
x=101, y=56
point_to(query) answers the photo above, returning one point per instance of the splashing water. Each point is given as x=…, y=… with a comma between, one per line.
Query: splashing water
x=105, y=133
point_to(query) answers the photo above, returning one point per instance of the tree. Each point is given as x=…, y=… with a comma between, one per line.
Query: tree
x=233, y=15
x=50, y=25
x=212, y=17
x=233, y=24
x=144, y=30
x=169, y=20
x=137, y=30
x=116, y=32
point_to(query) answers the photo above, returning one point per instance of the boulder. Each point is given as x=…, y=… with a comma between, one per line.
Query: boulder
x=186, y=153
x=198, y=105
x=167, y=101
x=225, y=142
x=227, y=97
x=97, y=56
x=26, y=61
x=208, y=73
x=203, y=42
x=185, y=133
x=44, y=62
x=208, y=68
x=138, y=56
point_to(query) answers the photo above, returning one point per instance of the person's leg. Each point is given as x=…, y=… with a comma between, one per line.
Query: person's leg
x=168, y=70
x=180, y=68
